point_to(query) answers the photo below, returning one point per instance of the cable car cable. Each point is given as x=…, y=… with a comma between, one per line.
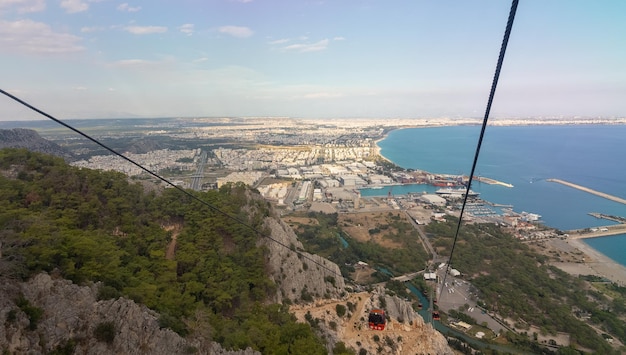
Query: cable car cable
x=210, y=206
x=494, y=84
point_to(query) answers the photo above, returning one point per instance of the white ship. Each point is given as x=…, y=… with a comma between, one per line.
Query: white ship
x=459, y=192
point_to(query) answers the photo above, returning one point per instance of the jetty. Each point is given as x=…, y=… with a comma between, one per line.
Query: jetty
x=617, y=219
x=597, y=231
x=591, y=191
x=490, y=181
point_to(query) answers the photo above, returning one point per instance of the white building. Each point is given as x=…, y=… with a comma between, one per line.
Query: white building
x=352, y=180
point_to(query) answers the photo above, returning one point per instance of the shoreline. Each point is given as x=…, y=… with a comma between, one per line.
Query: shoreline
x=595, y=263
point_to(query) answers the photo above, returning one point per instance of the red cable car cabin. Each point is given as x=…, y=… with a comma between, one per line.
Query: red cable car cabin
x=377, y=319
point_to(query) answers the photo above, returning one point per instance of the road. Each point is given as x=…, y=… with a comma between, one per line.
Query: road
x=196, y=179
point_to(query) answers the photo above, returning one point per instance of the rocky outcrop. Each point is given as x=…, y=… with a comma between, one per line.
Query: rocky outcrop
x=346, y=321
x=71, y=316
x=31, y=140
x=299, y=276
x=400, y=310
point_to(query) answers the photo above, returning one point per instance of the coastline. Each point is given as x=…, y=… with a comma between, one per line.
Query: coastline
x=595, y=263
x=378, y=149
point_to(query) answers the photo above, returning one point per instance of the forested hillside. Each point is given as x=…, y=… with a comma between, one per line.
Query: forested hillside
x=87, y=225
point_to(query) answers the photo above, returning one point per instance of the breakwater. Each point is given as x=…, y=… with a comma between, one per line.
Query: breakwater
x=591, y=191
x=616, y=229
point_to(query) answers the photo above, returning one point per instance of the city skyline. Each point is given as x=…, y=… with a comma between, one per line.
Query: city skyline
x=310, y=59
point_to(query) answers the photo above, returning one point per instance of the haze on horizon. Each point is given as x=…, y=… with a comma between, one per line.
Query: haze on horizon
x=310, y=59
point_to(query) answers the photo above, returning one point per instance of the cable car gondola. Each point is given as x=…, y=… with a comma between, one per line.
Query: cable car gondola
x=377, y=319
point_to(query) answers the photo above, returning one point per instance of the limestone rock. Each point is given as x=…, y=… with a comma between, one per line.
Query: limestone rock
x=71, y=314
x=405, y=333
x=299, y=275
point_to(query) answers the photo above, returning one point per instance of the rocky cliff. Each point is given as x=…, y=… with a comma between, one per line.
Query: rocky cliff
x=44, y=315
x=299, y=276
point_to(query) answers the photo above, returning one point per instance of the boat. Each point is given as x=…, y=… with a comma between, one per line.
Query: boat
x=446, y=183
x=460, y=192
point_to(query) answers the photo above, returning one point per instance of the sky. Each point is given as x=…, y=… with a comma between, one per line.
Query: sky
x=311, y=59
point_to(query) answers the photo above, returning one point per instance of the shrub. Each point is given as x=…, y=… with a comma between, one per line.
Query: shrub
x=167, y=320
x=33, y=313
x=341, y=310
x=107, y=293
x=105, y=332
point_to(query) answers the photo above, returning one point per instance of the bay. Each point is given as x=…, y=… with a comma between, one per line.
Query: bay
x=526, y=156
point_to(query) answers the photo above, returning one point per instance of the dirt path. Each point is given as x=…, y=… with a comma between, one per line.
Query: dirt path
x=171, y=247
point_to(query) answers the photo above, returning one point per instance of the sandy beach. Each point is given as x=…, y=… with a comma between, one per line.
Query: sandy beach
x=594, y=262
x=377, y=148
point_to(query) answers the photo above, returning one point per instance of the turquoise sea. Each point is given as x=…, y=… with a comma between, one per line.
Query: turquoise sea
x=525, y=156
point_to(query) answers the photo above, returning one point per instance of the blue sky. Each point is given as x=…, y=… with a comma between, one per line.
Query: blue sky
x=311, y=59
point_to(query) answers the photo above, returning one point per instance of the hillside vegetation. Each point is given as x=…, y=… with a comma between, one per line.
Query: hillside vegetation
x=89, y=226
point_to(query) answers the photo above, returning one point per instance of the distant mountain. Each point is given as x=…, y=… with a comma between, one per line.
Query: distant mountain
x=31, y=140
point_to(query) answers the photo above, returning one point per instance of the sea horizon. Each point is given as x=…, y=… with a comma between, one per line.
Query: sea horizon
x=526, y=157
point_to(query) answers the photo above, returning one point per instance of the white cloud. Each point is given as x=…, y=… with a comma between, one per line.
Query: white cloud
x=339, y=38
x=142, y=65
x=27, y=36
x=236, y=31
x=74, y=6
x=309, y=47
x=16, y=92
x=242, y=1
x=23, y=6
x=126, y=63
x=144, y=30
x=279, y=41
x=187, y=29
x=127, y=8
x=91, y=29
x=200, y=60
